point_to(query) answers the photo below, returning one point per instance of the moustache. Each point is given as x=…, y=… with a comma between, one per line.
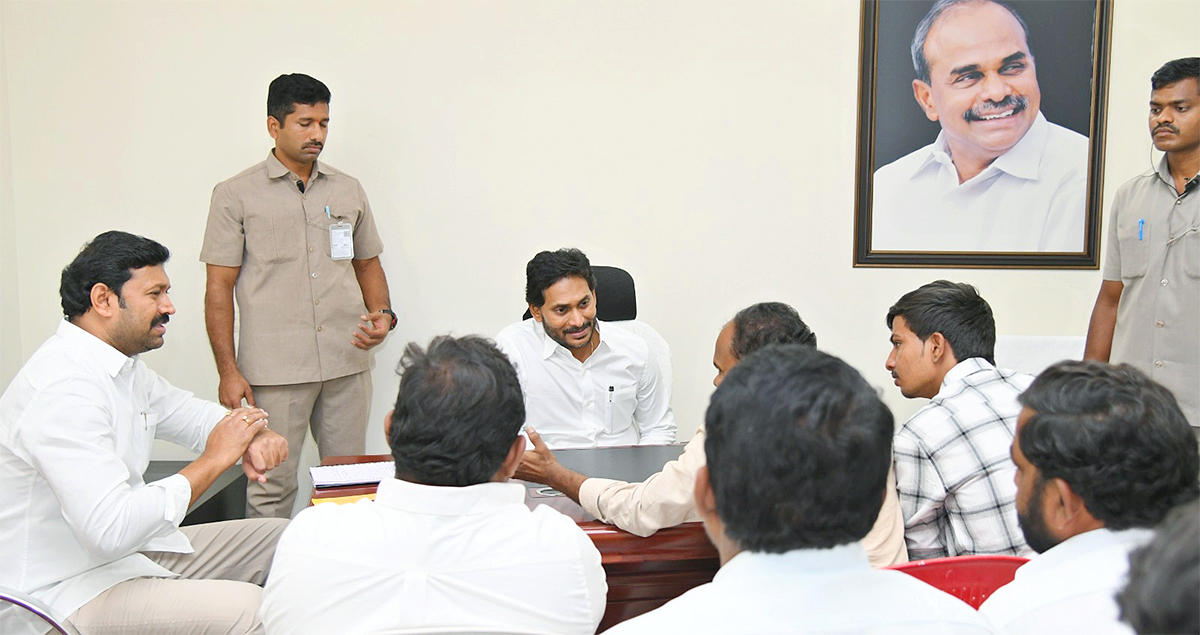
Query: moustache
x=314, y=145
x=1016, y=102
x=1166, y=126
x=586, y=326
x=161, y=319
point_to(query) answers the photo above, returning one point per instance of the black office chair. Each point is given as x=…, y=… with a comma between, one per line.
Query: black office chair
x=616, y=301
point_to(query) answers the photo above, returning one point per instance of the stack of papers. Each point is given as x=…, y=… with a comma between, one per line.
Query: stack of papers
x=352, y=474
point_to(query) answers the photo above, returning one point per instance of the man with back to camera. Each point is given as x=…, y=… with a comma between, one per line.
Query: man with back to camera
x=586, y=384
x=665, y=499
x=448, y=543
x=953, y=471
x=1148, y=311
x=296, y=239
x=798, y=447
x=79, y=528
x=1163, y=594
x=999, y=177
x=1103, y=454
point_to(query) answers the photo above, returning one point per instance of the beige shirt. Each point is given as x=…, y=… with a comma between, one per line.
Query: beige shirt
x=297, y=307
x=665, y=500
x=1154, y=251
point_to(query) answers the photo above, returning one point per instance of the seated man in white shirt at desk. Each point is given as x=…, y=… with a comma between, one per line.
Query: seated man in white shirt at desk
x=448, y=543
x=586, y=384
x=79, y=529
x=798, y=450
x=665, y=499
x=1103, y=453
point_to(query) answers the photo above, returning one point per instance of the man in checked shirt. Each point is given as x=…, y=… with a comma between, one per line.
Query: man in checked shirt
x=954, y=475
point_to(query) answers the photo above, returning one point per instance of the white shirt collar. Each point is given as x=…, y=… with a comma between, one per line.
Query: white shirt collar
x=1083, y=544
x=1021, y=161
x=964, y=368
x=448, y=501
x=110, y=359
x=753, y=564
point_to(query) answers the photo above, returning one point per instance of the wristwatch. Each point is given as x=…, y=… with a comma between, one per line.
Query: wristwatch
x=389, y=312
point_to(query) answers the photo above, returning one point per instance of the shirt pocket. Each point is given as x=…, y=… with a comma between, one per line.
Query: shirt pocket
x=145, y=425
x=272, y=239
x=1134, y=240
x=1190, y=245
x=621, y=403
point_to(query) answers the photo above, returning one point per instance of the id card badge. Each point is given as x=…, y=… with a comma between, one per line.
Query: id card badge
x=341, y=241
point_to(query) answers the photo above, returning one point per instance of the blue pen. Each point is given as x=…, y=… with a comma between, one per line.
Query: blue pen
x=328, y=216
x=1141, y=224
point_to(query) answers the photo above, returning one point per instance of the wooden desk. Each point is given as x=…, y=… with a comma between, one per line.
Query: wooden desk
x=642, y=573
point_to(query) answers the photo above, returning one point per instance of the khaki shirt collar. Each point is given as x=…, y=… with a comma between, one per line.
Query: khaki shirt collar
x=275, y=169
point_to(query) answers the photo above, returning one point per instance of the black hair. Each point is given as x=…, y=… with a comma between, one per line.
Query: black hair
x=549, y=267
x=954, y=309
x=1163, y=594
x=1175, y=71
x=1116, y=437
x=768, y=323
x=798, y=450
x=458, y=412
x=109, y=259
x=920, y=63
x=286, y=91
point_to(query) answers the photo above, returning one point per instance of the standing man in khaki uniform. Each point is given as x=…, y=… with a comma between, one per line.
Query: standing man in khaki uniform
x=296, y=239
x=1147, y=314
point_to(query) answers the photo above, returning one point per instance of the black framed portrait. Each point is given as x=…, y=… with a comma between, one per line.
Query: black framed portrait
x=981, y=133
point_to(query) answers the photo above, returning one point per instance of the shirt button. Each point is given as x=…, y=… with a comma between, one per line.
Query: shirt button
x=319, y=328
x=1160, y=324
x=318, y=303
x=315, y=275
x=1158, y=363
x=311, y=249
x=1163, y=282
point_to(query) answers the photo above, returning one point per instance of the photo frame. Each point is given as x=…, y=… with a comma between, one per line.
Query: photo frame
x=1036, y=205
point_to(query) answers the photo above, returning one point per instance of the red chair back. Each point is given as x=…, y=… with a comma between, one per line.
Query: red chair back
x=969, y=578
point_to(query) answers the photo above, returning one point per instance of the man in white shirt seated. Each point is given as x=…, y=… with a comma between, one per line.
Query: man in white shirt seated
x=448, y=543
x=586, y=384
x=999, y=176
x=1102, y=454
x=665, y=499
x=79, y=529
x=798, y=449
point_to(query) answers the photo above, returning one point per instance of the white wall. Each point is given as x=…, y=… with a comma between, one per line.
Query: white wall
x=707, y=147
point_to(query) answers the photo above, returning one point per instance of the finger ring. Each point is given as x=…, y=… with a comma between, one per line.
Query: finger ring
x=228, y=413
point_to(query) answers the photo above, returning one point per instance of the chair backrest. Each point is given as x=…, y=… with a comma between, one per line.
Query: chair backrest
x=22, y=614
x=969, y=578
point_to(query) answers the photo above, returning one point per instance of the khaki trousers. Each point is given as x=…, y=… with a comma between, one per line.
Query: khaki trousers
x=217, y=592
x=337, y=412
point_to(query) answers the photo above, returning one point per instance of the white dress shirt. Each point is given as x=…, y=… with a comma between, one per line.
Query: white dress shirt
x=1030, y=199
x=615, y=397
x=808, y=591
x=1070, y=588
x=954, y=473
x=421, y=556
x=76, y=429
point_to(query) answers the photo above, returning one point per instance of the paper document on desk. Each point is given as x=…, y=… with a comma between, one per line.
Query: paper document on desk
x=352, y=474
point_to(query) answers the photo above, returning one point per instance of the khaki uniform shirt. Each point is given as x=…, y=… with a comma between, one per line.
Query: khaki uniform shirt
x=1154, y=250
x=665, y=500
x=297, y=307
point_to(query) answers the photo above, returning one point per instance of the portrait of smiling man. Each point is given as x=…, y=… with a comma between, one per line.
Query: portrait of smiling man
x=999, y=177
